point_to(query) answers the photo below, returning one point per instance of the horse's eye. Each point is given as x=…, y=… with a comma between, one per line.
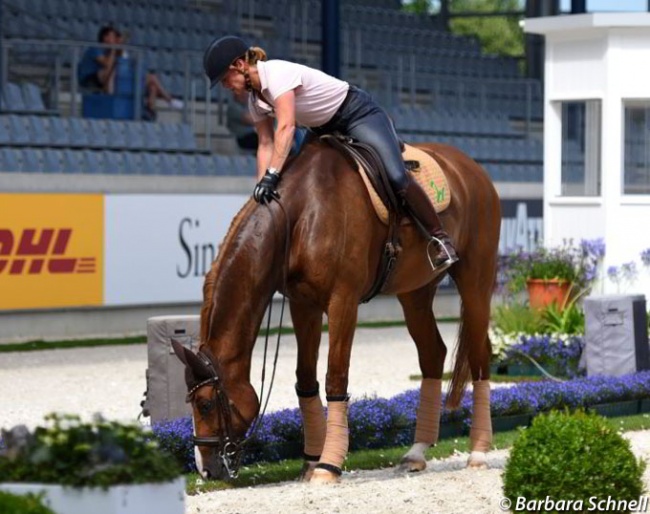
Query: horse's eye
x=204, y=406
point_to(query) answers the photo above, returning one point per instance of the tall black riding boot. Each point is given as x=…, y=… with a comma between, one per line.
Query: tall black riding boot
x=421, y=208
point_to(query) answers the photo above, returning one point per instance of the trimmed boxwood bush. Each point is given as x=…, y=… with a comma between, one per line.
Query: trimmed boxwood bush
x=28, y=504
x=572, y=457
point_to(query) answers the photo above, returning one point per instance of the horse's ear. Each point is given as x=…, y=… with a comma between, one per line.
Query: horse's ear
x=179, y=350
x=195, y=365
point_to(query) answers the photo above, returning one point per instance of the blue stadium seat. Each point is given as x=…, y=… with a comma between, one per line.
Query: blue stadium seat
x=187, y=139
x=5, y=138
x=31, y=160
x=188, y=164
x=94, y=161
x=151, y=163
x=116, y=133
x=153, y=139
x=133, y=163
x=204, y=165
x=32, y=97
x=98, y=133
x=170, y=134
x=52, y=160
x=170, y=164
x=9, y=160
x=79, y=133
x=18, y=131
x=73, y=161
x=134, y=134
x=59, y=131
x=13, y=97
x=38, y=134
x=114, y=162
x=220, y=165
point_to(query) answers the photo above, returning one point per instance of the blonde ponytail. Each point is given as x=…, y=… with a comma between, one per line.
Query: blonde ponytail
x=254, y=54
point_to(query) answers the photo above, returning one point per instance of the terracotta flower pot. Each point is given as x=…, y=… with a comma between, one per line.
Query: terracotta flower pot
x=544, y=292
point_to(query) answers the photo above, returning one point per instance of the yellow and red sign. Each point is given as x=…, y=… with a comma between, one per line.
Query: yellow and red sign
x=51, y=250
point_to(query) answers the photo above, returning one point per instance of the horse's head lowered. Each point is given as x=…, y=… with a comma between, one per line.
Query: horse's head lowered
x=221, y=414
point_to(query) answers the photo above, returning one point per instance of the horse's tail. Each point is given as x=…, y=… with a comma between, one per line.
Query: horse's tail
x=461, y=374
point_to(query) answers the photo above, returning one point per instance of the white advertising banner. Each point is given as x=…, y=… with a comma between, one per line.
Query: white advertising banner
x=159, y=247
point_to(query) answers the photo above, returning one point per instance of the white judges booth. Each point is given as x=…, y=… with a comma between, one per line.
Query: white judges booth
x=597, y=135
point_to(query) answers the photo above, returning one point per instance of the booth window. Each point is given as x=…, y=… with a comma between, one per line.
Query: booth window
x=636, y=175
x=581, y=144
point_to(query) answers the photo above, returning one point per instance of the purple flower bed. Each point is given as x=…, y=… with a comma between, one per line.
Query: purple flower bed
x=558, y=357
x=379, y=422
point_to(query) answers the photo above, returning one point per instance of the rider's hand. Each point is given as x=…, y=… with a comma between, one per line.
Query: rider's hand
x=266, y=189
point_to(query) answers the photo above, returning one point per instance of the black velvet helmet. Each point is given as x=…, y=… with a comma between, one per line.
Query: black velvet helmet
x=220, y=54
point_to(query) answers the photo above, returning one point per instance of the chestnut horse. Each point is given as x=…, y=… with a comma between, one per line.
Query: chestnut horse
x=335, y=244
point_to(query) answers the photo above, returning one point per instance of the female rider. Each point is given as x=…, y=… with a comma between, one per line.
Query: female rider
x=294, y=93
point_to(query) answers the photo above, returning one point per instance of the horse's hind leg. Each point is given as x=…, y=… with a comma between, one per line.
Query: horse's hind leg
x=307, y=321
x=474, y=349
x=421, y=324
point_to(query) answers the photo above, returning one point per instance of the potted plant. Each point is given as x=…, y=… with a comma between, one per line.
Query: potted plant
x=553, y=275
x=101, y=467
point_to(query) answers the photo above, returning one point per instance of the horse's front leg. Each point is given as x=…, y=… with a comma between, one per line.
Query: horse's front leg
x=342, y=316
x=307, y=322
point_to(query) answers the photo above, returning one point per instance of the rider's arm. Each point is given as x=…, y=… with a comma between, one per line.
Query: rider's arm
x=264, y=130
x=285, y=112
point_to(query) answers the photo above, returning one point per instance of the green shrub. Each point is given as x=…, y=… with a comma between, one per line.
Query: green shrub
x=28, y=504
x=70, y=452
x=514, y=318
x=572, y=457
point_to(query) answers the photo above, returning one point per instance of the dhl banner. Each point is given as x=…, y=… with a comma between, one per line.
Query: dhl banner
x=51, y=250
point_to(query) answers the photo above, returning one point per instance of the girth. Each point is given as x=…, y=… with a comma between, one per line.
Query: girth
x=358, y=153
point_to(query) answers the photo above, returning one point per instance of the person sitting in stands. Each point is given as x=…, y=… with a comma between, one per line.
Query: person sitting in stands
x=97, y=67
x=153, y=89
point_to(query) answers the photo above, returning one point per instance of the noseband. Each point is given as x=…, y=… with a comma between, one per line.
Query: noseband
x=228, y=450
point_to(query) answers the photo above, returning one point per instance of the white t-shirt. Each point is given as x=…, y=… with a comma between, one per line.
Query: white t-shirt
x=318, y=95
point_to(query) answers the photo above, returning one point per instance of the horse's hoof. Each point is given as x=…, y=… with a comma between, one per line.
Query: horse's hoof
x=411, y=464
x=307, y=471
x=322, y=476
x=477, y=460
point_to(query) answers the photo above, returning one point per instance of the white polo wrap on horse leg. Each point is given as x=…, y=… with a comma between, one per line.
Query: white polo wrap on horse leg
x=336, y=441
x=315, y=426
x=480, y=433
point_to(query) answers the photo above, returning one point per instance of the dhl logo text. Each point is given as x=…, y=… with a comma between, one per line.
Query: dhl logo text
x=40, y=253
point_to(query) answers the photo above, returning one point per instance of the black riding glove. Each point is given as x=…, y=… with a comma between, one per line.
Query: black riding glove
x=266, y=189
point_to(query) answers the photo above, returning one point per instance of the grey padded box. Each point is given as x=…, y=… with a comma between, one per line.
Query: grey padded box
x=616, y=335
x=166, y=388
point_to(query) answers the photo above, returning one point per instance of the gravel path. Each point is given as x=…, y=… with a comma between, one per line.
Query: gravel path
x=111, y=380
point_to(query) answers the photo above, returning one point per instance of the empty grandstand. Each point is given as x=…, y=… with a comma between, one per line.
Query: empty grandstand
x=436, y=85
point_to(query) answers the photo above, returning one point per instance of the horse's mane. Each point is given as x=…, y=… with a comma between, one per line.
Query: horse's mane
x=210, y=278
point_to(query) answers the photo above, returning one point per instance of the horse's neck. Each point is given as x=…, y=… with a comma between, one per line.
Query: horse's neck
x=246, y=276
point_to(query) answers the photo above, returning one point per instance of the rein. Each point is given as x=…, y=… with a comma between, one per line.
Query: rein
x=229, y=451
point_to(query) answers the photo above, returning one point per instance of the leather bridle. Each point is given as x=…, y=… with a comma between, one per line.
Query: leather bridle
x=228, y=449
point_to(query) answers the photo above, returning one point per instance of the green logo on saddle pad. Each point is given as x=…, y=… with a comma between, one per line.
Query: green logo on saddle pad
x=440, y=193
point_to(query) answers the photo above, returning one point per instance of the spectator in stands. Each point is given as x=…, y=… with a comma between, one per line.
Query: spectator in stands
x=97, y=67
x=240, y=122
x=153, y=89
x=296, y=94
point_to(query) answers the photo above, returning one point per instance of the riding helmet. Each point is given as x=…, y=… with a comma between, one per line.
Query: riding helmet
x=220, y=55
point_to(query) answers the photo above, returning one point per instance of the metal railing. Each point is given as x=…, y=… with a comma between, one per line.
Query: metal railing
x=58, y=61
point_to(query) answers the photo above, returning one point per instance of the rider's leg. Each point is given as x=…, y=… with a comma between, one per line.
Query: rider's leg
x=375, y=129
